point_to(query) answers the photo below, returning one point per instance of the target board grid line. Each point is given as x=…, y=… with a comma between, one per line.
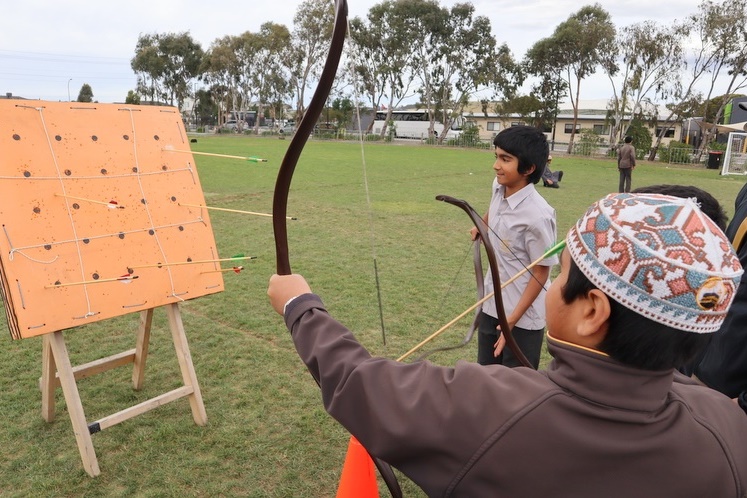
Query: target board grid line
x=54, y=158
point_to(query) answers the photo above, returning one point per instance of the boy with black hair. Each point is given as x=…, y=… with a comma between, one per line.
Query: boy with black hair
x=644, y=279
x=521, y=226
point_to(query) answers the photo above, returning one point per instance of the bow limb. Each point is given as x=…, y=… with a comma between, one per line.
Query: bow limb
x=482, y=230
x=288, y=166
x=305, y=128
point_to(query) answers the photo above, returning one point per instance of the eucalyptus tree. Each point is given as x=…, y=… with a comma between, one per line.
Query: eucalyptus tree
x=382, y=52
x=312, y=32
x=148, y=66
x=426, y=23
x=576, y=49
x=652, y=58
x=246, y=48
x=528, y=107
x=271, y=75
x=364, y=63
x=221, y=72
x=543, y=61
x=171, y=60
x=716, y=35
x=206, y=108
x=723, y=29
x=466, y=61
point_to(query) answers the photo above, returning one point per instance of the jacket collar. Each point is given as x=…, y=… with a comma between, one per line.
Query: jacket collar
x=596, y=377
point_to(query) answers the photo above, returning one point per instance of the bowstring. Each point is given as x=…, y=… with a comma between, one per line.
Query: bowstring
x=472, y=328
x=371, y=230
x=456, y=276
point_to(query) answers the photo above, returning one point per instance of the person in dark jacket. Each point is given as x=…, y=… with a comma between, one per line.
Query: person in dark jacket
x=723, y=365
x=626, y=164
x=645, y=279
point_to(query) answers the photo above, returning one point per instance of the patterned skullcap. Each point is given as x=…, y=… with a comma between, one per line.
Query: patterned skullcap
x=659, y=256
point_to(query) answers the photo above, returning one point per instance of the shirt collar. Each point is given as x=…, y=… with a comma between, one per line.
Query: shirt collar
x=518, y=197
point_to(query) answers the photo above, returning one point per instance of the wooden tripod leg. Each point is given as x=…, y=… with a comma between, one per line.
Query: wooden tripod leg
x=47, y=383
x=74, y=406
x=185, y=363
x=141, y=350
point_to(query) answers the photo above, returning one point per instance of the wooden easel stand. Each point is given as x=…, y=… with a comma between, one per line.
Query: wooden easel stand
x=57, y=371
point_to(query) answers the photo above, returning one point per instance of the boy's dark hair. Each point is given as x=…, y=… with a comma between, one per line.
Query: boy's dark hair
x=633, y=339
x=628, y=139
x=527, y=143
x=708, y=204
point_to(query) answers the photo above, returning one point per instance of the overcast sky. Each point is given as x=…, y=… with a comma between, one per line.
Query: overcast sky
x=49, y=49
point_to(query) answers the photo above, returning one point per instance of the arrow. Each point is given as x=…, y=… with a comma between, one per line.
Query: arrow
x=235, y=269
x=550, y=252
x=159, y=265
x=251, y=159
x=124, y=278
x=111, y=204
x=232, y=210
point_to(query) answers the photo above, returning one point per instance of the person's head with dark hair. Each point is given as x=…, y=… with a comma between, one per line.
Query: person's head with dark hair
x=645, y=278
x=528, y=145
x=705, y=201
x=628, y=139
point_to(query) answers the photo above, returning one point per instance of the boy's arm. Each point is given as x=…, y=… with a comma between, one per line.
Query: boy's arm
x=532, y=290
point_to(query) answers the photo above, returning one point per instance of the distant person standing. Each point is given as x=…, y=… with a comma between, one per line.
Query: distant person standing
x=625, y=164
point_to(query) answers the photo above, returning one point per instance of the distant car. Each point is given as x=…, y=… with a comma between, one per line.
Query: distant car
x=288, y=129
x=325, y=128
x=233, y=125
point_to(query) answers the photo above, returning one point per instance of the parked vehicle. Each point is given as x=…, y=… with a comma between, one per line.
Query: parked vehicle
x=415, y=124
x=289, y=128
x=325, y=128
x=233, y=125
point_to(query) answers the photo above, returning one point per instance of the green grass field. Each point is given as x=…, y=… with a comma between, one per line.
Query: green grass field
x=267, y=434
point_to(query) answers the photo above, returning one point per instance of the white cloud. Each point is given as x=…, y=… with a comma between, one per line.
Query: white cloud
x=43, y=44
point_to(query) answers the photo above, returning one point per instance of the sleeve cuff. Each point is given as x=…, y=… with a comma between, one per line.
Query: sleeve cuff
x=742, y=400
x=285, y=306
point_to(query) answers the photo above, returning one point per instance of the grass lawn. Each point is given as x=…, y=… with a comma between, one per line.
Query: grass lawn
x=267, y=434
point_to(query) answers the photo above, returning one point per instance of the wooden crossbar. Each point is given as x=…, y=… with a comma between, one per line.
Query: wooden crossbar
x=57, y=371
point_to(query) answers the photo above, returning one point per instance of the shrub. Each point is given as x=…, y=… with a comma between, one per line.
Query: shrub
x=676, y=152
x=470, y=136
x=588, y=143
x=391, y=131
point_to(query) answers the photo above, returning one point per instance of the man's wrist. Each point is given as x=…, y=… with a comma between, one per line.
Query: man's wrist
x=285, y=306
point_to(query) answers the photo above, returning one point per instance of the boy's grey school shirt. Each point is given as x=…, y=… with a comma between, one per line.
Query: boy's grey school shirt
x=526, y=228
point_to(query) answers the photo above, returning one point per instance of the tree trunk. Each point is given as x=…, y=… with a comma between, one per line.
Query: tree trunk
x=575, y=116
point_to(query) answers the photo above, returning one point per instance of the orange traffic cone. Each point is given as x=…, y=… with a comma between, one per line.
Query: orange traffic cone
x=358, y=474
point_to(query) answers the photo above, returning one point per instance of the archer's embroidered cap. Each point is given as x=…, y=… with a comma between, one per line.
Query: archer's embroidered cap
x=659, y=256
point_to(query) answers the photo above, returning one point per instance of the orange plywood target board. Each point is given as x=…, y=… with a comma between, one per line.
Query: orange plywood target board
x=94, y=222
